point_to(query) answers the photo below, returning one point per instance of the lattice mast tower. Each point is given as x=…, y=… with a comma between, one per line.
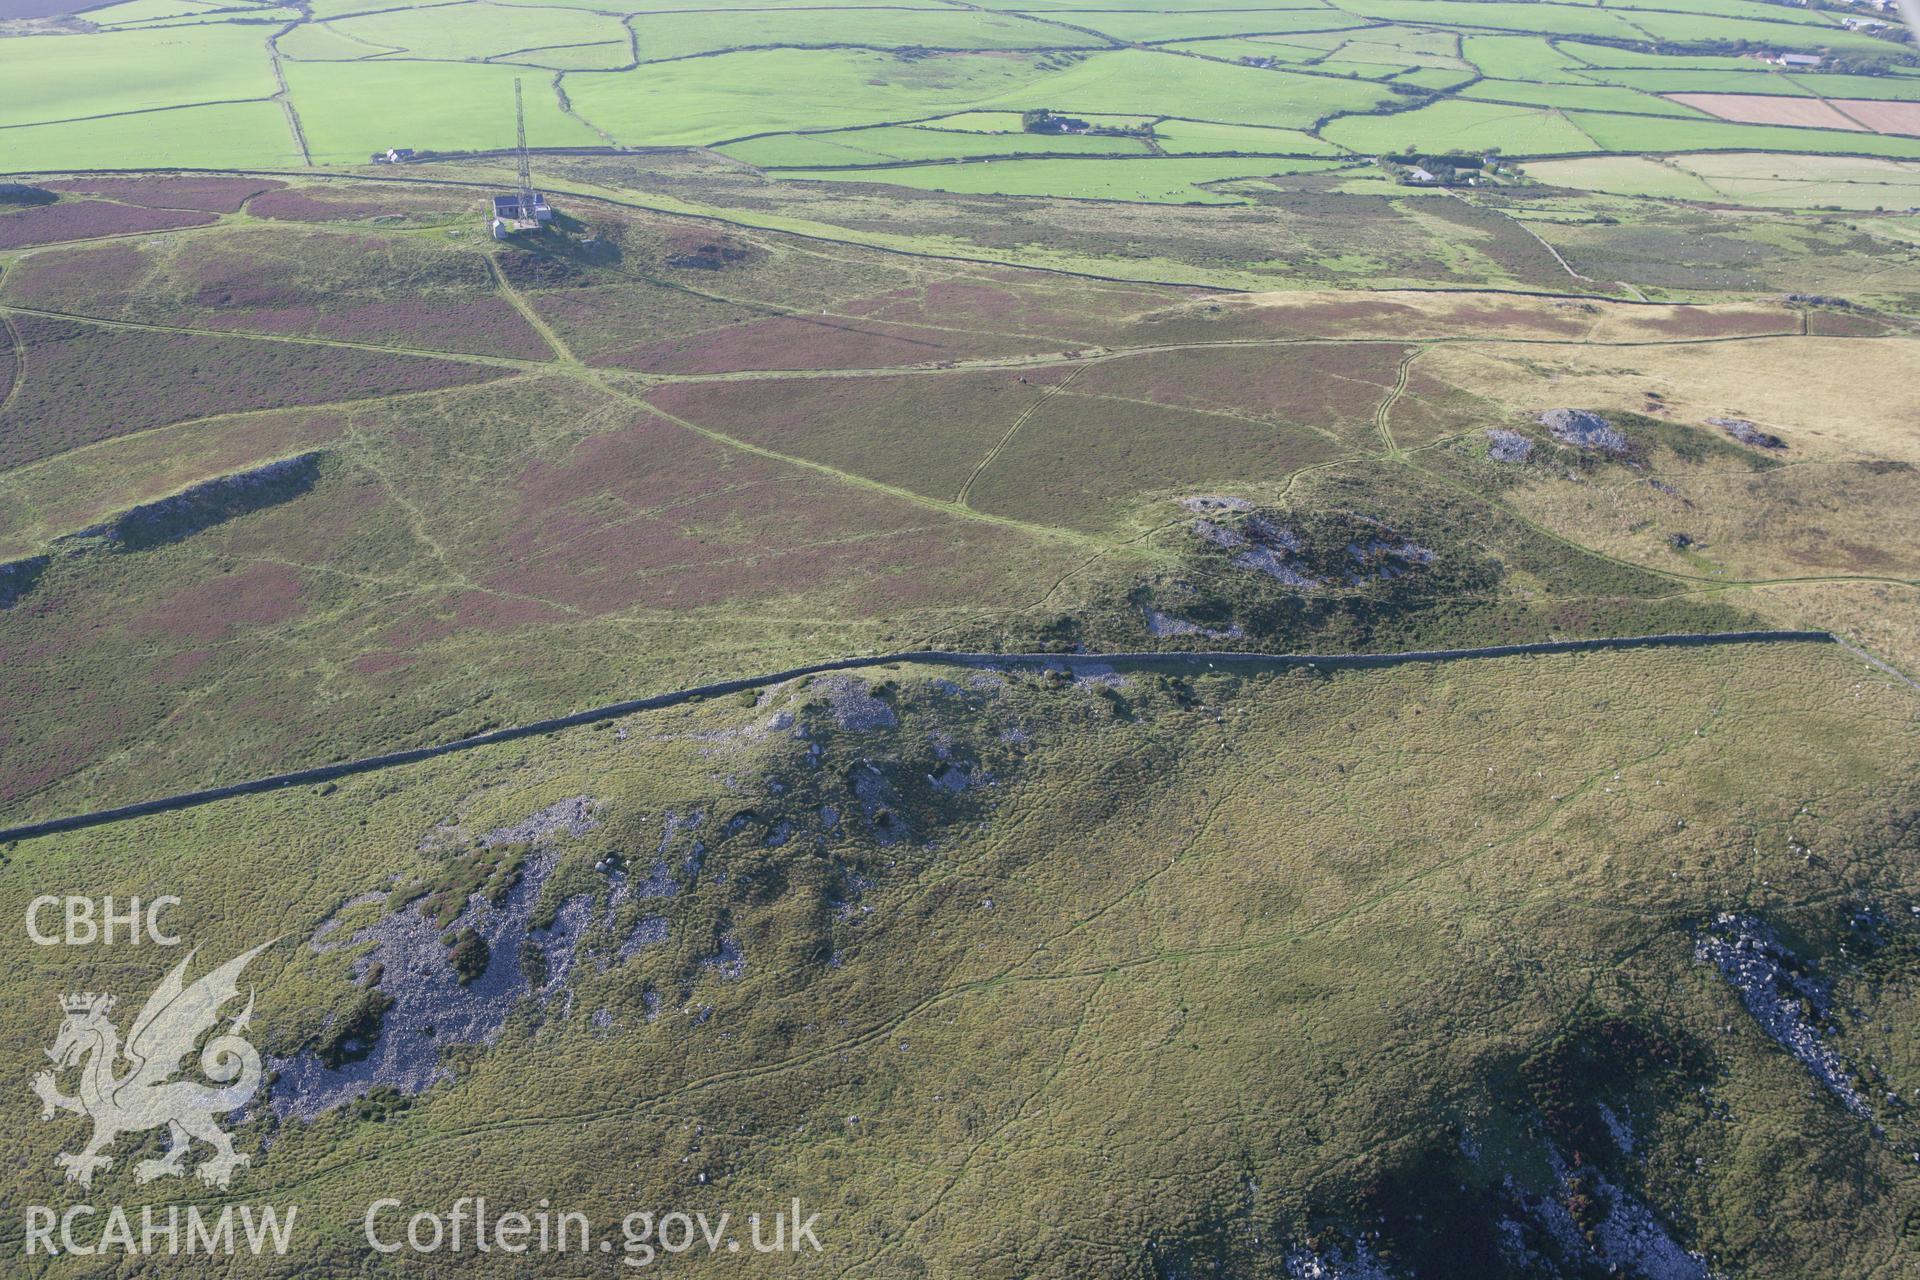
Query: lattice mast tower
x=520, y=141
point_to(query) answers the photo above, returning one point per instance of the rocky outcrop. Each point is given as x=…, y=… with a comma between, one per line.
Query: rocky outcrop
x=1584, y=430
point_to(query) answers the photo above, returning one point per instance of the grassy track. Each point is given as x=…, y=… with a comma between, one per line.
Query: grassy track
x=967, y=488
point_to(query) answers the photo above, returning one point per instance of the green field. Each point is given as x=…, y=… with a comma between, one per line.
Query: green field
x=738, y=94
x=1147, y=28
x=1685, y=80
x=1136, y=80
x=1649, y=58
x=249, y=134
x=1546, y=17
x=1169, y=181
x=1178, y=136
x=891, y=143
x=1793, y=182
x=1520, y=58
x=1681, y=27
x=680, y=35
x=1892, y=88
x=1632, y=133
x=1576, y=97
x=483, y=31
x=363, y=107
x=146, y=12
x=115, y=73
x=1463, y=126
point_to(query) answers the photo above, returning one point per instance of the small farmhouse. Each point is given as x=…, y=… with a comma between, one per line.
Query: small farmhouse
x=523, y=210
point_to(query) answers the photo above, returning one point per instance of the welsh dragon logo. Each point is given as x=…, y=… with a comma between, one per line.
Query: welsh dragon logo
x=131, y=1088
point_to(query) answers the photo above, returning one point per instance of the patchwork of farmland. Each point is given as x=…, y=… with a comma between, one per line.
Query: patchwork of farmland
x=1161, y=104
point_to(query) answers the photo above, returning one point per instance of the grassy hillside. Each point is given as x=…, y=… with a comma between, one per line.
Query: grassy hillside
x=1348, y=327
x=636, y=453
x=1118, y=973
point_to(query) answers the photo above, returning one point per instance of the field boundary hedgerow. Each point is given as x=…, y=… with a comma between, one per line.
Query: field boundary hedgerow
x=940, y=657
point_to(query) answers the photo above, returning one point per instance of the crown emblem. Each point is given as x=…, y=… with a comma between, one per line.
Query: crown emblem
x=87, y=1002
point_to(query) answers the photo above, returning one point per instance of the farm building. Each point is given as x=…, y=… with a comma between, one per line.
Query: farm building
x=519, y=211
x=1796, y=60
x=522, y=206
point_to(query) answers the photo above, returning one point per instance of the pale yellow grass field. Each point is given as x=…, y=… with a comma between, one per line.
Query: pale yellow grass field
x=1406, y=314
x=1845, y=502
x=1883, y=117
x=1831, y=398
x=1760, y=108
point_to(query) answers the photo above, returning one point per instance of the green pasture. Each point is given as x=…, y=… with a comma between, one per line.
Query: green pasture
x=679, y=35
x=708, y=100
x=351, y=109
x=1010, y=122
x=1363, y=70
x=1291, y=50
x=1687, y=27
x=237, y=134
x=1435, y=78
x=1409, y=46
x=1385, y=54
x=1690, y=81
x=1519, y=57
x=1496, y=15
x=1137, y=80
x=1178, y=136
x=74, y=77
x=265, y=16
x=1646, y=133
x=326, y=42
x=1169, y=181
x=1457, y=125
x=977, y=122
x=477, y=31
x=1145, y=28
x=1607, y=55
x=607, y=55
x=1576, y=97
x=1764, y=181
x=136, y=12
x=1757, y=9
x=1059, y=8
x=1895, y=88
x=712, y=100
x=1761, y=10
x=889, y=144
